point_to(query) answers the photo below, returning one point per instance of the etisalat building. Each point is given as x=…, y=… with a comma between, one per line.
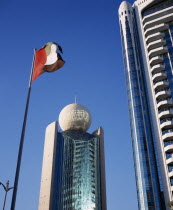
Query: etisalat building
x=73, y=171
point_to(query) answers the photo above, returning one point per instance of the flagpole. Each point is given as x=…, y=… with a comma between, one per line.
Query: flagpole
x=22, y=138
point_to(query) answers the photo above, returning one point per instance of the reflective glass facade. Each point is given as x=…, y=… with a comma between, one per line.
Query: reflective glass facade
x=148, y=181
x=168, y=58
x=147, y=42
x=77, y=172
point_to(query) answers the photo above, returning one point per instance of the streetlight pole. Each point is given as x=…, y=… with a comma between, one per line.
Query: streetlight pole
x=6, y=188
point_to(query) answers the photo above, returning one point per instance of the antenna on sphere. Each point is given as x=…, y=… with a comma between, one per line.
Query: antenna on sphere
x=75, y=99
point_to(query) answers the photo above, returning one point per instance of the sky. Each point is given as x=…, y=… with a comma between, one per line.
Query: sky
x=88, y=32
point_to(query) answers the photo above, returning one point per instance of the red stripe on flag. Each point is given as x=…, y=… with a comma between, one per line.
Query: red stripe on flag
x=40, y=60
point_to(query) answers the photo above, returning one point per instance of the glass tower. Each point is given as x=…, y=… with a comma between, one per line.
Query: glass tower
x=147, y=42
x=76, y=178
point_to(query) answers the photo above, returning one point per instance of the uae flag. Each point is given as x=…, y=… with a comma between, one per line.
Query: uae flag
x=47, y=59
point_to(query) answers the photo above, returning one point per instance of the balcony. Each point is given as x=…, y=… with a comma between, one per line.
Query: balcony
x=156, y=44
x=169, y=161
x=164, y=113
x=161, y=85
x=171, y=174
x=157, y=14
x=161, y=94
x=166, y=123
x=165, y=103
x=155, y=29
x=169, y=148
x=156, y=21
x=167, y=135
x=159, y=76
x=157, y=68
x=157, y=51
x=154, y=37
x=156, y=60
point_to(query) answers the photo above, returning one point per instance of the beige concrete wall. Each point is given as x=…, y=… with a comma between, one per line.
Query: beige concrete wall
x=100, y=134
x=47, y=166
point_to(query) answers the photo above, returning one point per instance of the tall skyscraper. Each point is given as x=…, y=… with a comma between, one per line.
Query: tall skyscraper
x=147, y=42
x=73, y=172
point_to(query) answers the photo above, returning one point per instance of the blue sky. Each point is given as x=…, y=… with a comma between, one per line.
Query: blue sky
x=88, y=32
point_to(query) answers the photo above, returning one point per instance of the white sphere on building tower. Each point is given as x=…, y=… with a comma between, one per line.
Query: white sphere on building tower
x=75, y=117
